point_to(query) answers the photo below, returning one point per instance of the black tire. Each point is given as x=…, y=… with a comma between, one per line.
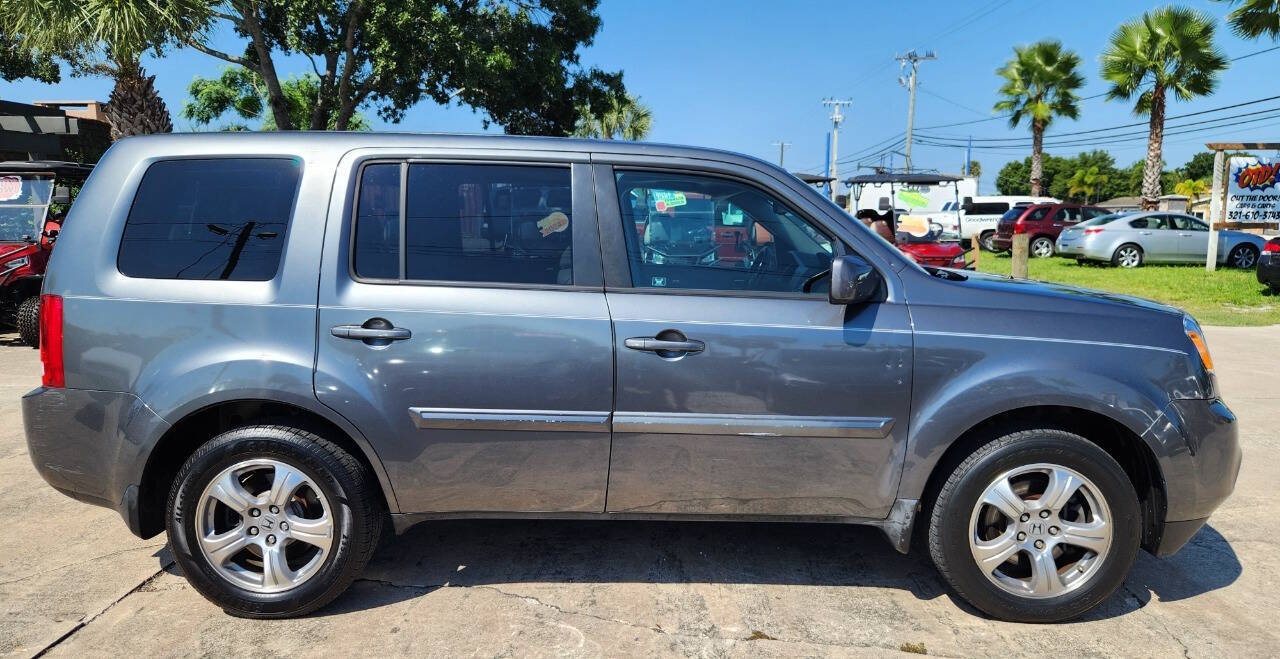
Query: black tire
x=1047, y=249
x=987, y=240
x=28, y=321
x=1244, y=257
x=949, y=524
x=1117, y=257
x=342, y=479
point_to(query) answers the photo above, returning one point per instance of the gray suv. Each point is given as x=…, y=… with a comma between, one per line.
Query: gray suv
x=268, y=346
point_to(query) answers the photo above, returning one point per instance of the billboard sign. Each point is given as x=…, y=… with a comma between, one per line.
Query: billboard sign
x=1253, y=190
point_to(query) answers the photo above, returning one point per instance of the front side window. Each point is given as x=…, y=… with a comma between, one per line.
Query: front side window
x=217, y=218
x=699, y=232
x=1184, y=223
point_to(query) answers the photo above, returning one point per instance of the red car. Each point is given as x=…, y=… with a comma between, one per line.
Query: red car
x=27, y=232
x=1043, y=223
x=925, y=250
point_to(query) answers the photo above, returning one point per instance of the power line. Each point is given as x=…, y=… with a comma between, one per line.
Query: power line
x=1138, y=123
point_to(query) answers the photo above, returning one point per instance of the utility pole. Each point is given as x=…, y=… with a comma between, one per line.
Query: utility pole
x=782, y=150
x=836, y=119
x=913, y=58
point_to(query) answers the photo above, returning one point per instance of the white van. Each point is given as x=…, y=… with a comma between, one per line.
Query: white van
x=979, y=215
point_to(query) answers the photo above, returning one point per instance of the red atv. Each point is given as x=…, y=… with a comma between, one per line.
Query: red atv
x=34, y=197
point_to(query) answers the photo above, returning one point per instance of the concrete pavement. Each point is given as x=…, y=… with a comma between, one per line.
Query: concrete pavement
x=74, y=582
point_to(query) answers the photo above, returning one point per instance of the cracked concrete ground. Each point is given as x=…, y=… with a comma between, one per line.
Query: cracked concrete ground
x=74, y=582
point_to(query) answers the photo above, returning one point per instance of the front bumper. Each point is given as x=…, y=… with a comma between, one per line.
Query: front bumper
x=1199, y=478
x=1269, y=269
x=91, y=445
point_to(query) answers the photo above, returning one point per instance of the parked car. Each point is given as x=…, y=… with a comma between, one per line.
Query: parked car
x=1131, y=239
x=1042, y=223
x=28, y=229
x=1269, y=264
x=267, y=344
x=979, y=216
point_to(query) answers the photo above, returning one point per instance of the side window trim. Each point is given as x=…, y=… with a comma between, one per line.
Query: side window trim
x=590, y=281
x=613, y=247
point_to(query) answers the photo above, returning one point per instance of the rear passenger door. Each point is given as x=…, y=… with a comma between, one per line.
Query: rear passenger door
x=463, y=329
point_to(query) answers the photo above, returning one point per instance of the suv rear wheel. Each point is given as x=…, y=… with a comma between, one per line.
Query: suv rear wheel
x=272, y=521
x=1042, y=247
x=1036, y=526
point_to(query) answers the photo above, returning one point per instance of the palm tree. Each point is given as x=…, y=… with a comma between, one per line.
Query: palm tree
x=1040, y=82
x=1255, y=18
x=621, y=118
x=1168, y=49
x=1087, y=182
x=109, y=38
x=1194, y=188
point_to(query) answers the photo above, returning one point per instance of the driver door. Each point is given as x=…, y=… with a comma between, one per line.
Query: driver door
x=737, y=391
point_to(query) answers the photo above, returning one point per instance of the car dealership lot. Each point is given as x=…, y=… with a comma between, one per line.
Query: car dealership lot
x=73, y=581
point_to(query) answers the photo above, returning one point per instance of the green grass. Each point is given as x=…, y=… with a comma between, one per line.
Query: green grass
x=1224, y=297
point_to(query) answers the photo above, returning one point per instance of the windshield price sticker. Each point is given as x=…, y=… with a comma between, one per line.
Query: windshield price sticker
x=665, y=200
x=1253, y=190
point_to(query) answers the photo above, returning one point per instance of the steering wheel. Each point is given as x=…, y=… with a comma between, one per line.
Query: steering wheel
x=763, y=260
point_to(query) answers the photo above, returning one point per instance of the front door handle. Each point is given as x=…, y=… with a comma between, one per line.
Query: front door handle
x=375, y=331
x=653, y=344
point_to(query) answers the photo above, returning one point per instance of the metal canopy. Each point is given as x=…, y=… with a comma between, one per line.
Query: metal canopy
x=813, y=179
x=909, y=179
x=55, y=167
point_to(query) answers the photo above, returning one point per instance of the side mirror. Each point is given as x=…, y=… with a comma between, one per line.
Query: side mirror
x=61, y=195
x=884, y=204
x=966, y=201
x=853, y=281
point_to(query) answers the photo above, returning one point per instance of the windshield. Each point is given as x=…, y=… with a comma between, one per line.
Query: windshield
x=24, y=199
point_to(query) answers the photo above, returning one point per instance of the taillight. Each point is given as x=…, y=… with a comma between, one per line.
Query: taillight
x=1272, y=246
x=51, y=340
x=1019, y=226
x=1090, y=232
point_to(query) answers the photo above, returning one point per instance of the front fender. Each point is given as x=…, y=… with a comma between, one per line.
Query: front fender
x=945, y=409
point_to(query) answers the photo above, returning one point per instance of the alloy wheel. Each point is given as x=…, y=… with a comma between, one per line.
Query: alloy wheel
x=1040, y=531
x=1042, y=248
x=1129, y=257
x=264, y=525
x=1243, y=258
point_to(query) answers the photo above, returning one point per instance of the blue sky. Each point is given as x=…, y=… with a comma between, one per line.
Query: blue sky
x=740, y=75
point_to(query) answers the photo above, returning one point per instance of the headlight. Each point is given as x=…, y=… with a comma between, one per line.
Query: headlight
x=21, y=261
x=1192, y=328
x=709, y=259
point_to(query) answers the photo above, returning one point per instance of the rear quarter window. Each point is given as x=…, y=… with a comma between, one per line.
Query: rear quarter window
x=216, y=219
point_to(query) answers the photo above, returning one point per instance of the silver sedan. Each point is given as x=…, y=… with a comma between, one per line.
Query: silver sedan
x=1131, y=239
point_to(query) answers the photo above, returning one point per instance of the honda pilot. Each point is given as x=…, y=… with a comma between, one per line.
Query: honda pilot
x=268, y=346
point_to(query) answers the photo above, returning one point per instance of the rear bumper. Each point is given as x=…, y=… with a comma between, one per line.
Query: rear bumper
x=1269, y=269
x=91, y=445
x=1002, y=243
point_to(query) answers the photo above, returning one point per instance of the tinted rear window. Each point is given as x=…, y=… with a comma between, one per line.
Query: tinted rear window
x=219, y=218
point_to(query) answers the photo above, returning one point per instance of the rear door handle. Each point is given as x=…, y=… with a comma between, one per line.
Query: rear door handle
x=358, y=332
x=375, y=331
x=653, y=344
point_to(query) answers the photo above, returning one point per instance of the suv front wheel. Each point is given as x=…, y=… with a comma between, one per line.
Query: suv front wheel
x=272, y=521
x=1036, y=526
